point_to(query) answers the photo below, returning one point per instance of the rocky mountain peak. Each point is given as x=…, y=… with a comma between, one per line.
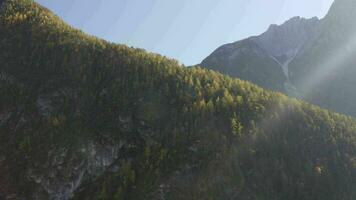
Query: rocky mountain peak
x=341, y=15
x=342, y=8
x=278, y=46
x=289, y=37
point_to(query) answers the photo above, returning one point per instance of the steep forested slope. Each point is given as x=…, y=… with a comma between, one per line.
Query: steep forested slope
x=83, y=118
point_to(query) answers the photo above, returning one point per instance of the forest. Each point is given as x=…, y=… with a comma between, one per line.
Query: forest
x=175, y=132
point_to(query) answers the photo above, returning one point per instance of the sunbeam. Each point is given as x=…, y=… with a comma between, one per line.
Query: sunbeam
x=329, y=67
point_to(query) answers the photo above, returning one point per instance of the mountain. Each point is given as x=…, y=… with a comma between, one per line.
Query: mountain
x=82, y=118
x=325, y=72
x=264, y=59
x=316, y=56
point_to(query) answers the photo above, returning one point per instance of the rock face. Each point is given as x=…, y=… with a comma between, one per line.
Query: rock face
x=243, y=59
x=65, y=170
x=289, y=38
x=317, y=58
x=325, y=72
x=264, y=59
x=342, y=13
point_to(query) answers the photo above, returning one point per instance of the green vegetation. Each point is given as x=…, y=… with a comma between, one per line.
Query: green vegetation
x=183, y=133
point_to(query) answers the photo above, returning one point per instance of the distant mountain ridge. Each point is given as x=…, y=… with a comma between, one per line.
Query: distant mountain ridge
x=289, y=38
x=270, y=53
x=315, y=56
x=325, y=72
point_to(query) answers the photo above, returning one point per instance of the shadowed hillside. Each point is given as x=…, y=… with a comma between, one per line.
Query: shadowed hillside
x=81, y=118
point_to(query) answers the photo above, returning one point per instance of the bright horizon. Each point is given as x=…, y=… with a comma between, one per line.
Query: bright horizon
x=186, y=30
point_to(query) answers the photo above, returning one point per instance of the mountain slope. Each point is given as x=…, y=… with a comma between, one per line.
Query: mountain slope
x=318, y=59
x=264, y=59
x=81, y=118
x=325, y=72
x=250, y=57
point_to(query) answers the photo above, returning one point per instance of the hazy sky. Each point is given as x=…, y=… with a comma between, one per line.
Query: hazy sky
x=188, y=30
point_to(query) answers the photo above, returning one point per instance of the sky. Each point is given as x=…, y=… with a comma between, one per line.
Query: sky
x=187, y=30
